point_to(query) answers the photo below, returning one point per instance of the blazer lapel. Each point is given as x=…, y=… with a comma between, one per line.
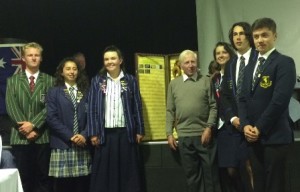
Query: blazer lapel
x=24, y=83
x=38, y=85
x=233, y=64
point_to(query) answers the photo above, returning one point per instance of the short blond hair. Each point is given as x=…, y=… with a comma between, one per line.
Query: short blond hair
x=31, y=45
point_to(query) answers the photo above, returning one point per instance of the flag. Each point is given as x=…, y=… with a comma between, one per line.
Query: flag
x=10, y=63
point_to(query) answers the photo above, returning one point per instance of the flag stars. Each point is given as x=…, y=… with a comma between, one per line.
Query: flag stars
x=2, y=63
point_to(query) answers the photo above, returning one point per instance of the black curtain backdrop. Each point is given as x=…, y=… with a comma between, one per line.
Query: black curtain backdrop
x=64, y=27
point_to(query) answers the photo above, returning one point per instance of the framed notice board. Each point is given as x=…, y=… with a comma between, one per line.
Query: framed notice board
x=154, y=72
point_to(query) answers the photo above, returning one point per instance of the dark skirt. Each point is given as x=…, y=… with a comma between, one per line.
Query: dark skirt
x=232, y=148
x=116, y=166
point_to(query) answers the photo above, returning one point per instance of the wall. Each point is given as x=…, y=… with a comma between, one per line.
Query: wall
x=215, y=17
x=163, y=172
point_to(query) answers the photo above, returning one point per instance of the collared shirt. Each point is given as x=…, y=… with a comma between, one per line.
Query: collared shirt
x=114, y=113
x=247, y=57
x=185, y=77
x=75, y=89
x=266, y=55
x=28, y=75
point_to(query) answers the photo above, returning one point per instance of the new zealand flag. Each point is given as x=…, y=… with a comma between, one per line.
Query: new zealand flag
x=10, y=63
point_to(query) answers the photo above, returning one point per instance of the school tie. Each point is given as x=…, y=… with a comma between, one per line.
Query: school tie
x=258, y=70
x=240, y=76
x=31, y=83
x=73, y=98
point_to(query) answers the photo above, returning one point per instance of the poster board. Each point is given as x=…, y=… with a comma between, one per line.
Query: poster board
x=153, y=72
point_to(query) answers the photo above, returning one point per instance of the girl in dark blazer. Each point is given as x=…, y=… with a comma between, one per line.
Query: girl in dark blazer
x=70, y=160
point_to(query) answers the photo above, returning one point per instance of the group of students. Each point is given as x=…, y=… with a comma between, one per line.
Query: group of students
x=240, y=112
x=61, y=122
x=58, y=121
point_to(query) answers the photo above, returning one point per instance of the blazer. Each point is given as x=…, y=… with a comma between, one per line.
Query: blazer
x=217, y=89
x=132, y=105
x=229, y=87
x=266, y=106
x=60, y=116
x=23, y=106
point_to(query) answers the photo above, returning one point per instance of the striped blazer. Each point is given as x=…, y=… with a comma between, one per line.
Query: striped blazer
x=132, y=105
x=23, y=106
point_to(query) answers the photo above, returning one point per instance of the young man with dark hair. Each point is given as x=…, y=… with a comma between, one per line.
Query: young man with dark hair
x=240, y=37
x=263, y=108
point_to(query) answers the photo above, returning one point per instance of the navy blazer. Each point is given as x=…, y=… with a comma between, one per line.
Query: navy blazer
x=229, y=87
x=60, y=116
x=266, y=106
x=132, y=106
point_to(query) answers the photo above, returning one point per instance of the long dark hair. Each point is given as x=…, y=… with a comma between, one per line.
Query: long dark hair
x=81, y=81
x=112, y=48
x=248, y=33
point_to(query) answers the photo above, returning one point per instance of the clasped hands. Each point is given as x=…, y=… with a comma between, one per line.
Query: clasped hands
x=26, y=129
x=251, y=133
x=78, y=140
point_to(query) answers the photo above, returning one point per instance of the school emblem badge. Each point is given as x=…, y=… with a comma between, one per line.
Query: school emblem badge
x=265, y=82
x=42, y=98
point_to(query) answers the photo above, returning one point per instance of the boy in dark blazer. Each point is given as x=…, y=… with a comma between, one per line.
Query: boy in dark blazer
x=240, y=36
x=25, y=103
x=263, y=108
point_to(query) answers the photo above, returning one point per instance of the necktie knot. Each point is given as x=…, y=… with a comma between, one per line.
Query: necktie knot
x=31, y=78
x=242, y=58
x=71, y=88
x=261, y=60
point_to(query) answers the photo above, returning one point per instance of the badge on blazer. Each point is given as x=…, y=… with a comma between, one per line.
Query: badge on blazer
x=230, y=84
x=265, y=82
x=42, y=98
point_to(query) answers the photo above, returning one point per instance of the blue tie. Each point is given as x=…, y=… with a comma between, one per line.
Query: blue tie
x=73, y=98
x=258, y=70
x=240, y=76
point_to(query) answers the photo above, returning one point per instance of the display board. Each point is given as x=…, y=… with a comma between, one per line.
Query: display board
x=154, y=73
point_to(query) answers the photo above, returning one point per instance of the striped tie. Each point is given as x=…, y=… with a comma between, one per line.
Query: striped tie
x=31, y=83
x=73, y=98
x=240, y=77
x=258, y=71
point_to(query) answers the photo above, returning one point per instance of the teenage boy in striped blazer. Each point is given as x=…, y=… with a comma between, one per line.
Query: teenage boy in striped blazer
x=25, y=103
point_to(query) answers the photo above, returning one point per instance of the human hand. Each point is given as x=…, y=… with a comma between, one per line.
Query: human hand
x=32, y=136
x=79, y=140
x=25, y=127
x=251, y=133
x=139, y=138
x=95, y=141
x=206, y=136
x=172, y=142
x=236, y=123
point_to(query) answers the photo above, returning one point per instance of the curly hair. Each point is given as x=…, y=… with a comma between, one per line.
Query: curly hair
x=81, y=81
